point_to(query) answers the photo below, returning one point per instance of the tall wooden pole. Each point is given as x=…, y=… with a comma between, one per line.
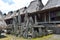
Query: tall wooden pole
x=19, y=23
x=19, y=18
x=26, y=23
x=14, y=23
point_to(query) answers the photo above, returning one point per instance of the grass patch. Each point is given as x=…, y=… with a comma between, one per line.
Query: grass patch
x=10, y=37
x=43, y=38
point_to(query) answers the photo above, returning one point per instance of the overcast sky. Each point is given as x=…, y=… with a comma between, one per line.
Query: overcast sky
x=11, y=5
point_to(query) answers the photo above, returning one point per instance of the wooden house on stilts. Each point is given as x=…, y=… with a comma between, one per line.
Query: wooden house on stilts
x=36, y=19
x=3, y=25
x=26, y=20
x=51, y=13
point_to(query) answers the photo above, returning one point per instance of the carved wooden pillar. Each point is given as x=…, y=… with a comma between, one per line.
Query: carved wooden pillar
x=19, y=23
x=31, y=26
x=31, y=21
x=19, y=18
x=14, y=23
x=26, y=22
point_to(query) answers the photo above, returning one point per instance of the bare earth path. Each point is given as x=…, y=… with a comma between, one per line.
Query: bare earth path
x=55, y=37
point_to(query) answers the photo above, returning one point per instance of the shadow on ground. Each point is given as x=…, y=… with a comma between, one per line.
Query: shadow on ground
x=2, y=36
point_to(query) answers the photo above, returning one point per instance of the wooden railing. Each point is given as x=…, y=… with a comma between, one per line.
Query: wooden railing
x=48, y=22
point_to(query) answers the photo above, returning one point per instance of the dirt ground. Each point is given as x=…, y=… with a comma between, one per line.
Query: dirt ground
x=55, y=37
x=49, y=37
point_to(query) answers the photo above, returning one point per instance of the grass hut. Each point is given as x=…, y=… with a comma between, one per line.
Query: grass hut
x=32, y=19
x=3, y=25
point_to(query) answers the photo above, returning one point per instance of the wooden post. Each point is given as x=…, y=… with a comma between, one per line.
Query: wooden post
x=14, y=23
x=31, y=21
x=49, y=17
x=33, y=33
x=19, y=18
x=35, y=19
x=31, y=26
x=26, y=22
x=27, y=25
x=19, y=23
x=45, y=17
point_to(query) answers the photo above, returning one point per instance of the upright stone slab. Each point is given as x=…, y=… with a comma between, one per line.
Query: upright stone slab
x=40, y=32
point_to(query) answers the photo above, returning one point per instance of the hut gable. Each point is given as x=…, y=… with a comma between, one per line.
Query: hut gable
x=34, y=6
x=2, y=22
x=15, y=13
x=52, y=4
x=22, y=10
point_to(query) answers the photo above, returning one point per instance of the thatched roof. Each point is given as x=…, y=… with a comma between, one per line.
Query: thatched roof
x=52, y=4
x=2, y=23
x=15, y=13
x=34, y=6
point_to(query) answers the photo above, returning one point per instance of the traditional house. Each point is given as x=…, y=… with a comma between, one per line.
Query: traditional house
x=28, y=18
x=33, y=18
x=14, y=18
x=52, y=15
x=36, y=17
x=3, y=25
